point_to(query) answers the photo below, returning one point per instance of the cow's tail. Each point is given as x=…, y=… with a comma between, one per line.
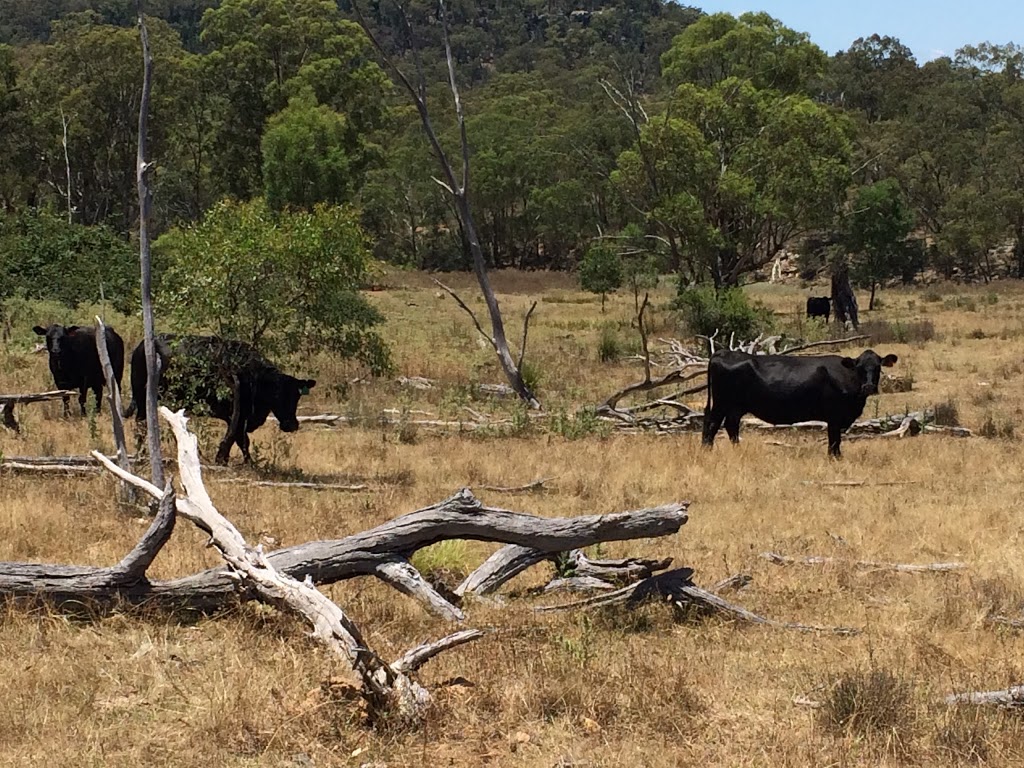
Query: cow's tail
x=130, y=410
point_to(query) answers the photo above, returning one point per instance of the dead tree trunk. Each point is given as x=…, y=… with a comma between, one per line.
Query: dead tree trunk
x=458, y=188
x=142, y=169
x=844, y=300
x=126, y=493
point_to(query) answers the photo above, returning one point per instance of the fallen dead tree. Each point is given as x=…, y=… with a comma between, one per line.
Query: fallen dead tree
x=7, y=403
x=383, y=552
x=868, y=565
x=286, y=577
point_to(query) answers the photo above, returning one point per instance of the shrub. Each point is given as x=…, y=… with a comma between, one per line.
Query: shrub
x=609, y=348
x=868, y=701
x=947, y=414
x=704, y=311
x=45, y=257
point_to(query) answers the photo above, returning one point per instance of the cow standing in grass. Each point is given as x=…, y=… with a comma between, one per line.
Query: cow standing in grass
x=819, y=306
x=230, y=378
x=786, y=389
x=75, y=363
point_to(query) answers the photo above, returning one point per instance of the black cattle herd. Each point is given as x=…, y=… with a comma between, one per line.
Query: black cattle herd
x=229, y=378
x=239, y=386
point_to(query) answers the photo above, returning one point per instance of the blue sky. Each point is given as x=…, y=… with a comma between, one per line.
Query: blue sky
x=930, y=28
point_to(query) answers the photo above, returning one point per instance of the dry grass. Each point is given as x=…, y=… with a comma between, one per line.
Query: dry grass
x=249, y=688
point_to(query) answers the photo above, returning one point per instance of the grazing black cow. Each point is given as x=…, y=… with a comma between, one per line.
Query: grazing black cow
x=819, y=306
x=785, y=389
x=75, y=363
x=234, y=382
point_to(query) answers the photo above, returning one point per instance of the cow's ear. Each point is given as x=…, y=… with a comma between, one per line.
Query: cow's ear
x=306, y=385
x=849, y=362
x=71, y=328
x=39, y=330
x=889, y=360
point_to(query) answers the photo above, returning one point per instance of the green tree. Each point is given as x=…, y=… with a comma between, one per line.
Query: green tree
x=90, y=77
x=262, y=52
x=753, y=47
x=285, y=282
x=877, y=230
x=601, y=271
x=307, y=158
x=741, y=171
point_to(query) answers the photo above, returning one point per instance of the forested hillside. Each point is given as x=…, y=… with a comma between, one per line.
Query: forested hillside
x=707, y=143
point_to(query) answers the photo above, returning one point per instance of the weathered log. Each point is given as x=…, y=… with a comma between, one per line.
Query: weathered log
x=461, y=517
x=502, y=566
x=77, y=584
x=871, y=565
x=60, y=469
x=734, y=583
x=536, y=485
x=1011, y=698
x=577, y=584
x=295, y=485
x=626, y=569
x=407, y=580
x=37, y=397
x=7, y=403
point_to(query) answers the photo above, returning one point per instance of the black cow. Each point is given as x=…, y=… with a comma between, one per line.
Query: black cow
x=785, y=389
x=819, y=306
x=235, y=383
x=75, y=363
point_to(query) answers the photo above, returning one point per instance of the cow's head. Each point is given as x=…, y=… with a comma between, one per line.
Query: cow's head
x=286, y=400
x=57, y=337
x=868, y=368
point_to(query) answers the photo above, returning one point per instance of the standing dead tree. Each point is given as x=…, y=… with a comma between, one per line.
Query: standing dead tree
x=458, y=187
x=142, y=171
x=126, y=493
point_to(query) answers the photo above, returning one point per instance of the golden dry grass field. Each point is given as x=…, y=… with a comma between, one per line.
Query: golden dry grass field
x=605, y=689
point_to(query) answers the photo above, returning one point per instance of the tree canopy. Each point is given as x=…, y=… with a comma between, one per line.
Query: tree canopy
x=720, y=139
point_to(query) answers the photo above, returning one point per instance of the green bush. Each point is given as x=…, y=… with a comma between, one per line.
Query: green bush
x=45, y=257
x=704, y=311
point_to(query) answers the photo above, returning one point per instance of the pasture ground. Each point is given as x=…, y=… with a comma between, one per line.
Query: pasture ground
x=609, y=689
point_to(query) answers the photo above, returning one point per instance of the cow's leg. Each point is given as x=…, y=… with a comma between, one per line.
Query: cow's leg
x=242, y=440
x=835, y=435
x=98, y=391
x=83, y=398
x=67, y=406
x=224, y=449
x=732, y=426
x=712, y=423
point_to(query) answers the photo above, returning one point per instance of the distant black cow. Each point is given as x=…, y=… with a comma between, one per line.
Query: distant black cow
x=819, y=306
x=234, y=382
x=75, y=363
x=785, y=389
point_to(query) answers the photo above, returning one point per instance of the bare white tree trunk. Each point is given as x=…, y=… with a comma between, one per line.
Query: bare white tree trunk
x=145, y=202
x=126, y=492
x=67, y=161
